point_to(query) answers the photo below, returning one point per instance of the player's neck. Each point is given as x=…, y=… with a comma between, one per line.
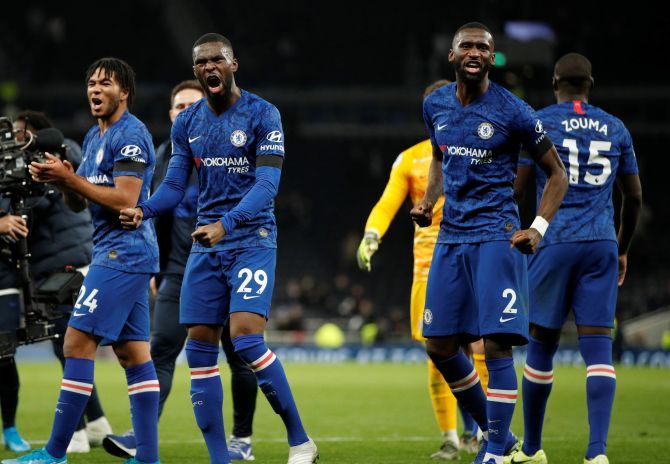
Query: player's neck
x=562, y=97
x=467, y=92
x=106, y=123
x=221, y=105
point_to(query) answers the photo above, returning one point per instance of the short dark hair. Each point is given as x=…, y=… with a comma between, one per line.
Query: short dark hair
x=474, y=25
x=115, y=67
x=434, y=86
x=189, y=84
x=213, y=37
x=573, y=68
x=37, y=119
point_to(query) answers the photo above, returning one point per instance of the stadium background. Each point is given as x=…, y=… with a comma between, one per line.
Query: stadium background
x=347, y=79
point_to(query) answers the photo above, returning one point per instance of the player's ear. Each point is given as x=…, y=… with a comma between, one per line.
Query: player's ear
x=493, y=58
x=124, y=94
x=593, y=82
x=554, y=83
x=234, y=65
x=450, y=57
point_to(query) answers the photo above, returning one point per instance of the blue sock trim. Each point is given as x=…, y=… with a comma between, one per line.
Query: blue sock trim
x=244, y=342
x=195, y=345
x=79, y=369
x=141, y=372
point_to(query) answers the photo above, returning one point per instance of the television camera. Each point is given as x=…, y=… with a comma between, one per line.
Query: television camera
x=38, y=304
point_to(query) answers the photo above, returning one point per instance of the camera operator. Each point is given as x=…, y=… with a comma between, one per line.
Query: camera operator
x=58, y=238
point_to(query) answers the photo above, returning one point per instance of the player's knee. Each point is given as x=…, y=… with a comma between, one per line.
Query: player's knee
x=545, y=335
x=497, y=346
x=439, y=349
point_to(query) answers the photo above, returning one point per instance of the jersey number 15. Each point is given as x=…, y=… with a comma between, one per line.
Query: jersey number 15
x=596, y=147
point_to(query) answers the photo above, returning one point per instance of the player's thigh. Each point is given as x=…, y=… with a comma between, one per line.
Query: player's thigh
x=550, y=284
x=502, y=289
x=594, y=302
x=205, y=295
x=450, y=307
x=416, y=306
x=106, y=300
x=251, y=276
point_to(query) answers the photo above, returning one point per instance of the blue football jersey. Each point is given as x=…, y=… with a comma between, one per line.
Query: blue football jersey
x=123, y=147
x=481, y=144
x=224, y=149
x=595, y=147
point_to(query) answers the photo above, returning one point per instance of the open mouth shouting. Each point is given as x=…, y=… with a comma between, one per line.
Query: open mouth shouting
x=96, y=104
x=214, y=84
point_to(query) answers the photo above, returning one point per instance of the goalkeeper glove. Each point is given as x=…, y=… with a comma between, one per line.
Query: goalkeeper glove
x=366, y=249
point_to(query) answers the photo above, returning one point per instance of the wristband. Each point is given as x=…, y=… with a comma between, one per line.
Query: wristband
x=540, y=224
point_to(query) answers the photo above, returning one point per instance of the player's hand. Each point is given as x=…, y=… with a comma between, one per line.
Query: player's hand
x=131, y=218
x=422, y=214
x=623, y=266
x=53, y=170
x=14, y=226
x=526, y=241
x=209, y=235
x=369, y=245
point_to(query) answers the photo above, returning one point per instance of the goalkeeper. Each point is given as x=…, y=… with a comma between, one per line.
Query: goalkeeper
x=409, y=175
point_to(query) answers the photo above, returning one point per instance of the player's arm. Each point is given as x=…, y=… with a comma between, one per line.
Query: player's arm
x=554, y=190
x=171, y=191
x=265, y=188
x=422, y=213
x=631, y=207
x=123, y=194
x=383, y=213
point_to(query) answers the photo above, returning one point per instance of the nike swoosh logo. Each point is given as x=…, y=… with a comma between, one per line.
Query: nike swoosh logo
x=506, y=320
x=191, y=140
x=441, y=126
x=247, y=297
x=76, y=314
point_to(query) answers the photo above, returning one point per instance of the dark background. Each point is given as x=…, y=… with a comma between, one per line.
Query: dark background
x=348, y=79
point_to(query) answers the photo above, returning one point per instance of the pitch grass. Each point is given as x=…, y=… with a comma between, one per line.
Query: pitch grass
x=365, y=414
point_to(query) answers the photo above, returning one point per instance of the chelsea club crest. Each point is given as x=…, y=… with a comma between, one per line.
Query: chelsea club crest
x=238, y=138
x=485, y=131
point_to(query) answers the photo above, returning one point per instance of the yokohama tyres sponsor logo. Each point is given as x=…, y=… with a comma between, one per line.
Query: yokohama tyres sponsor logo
x=225, y=161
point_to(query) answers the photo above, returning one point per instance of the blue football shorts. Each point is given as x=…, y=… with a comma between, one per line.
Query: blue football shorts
x=219, y=283
x=578, y=276
x=477, y=289
x=113, y=305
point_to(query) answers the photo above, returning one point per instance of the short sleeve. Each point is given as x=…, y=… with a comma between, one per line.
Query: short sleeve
x=131, y=151
x=530, y=129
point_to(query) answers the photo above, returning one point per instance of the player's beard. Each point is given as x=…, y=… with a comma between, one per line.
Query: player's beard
x=113, y=107
x=466, y=77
